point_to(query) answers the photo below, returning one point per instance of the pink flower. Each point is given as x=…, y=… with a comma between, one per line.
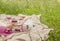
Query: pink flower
x=4, y=31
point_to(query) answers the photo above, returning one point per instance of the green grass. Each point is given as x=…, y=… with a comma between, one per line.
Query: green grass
x=50, y=10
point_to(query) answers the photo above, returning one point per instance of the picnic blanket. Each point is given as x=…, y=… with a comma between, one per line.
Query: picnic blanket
x=22, y=28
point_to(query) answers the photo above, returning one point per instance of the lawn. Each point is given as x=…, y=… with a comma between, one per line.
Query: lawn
x=50, y=10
